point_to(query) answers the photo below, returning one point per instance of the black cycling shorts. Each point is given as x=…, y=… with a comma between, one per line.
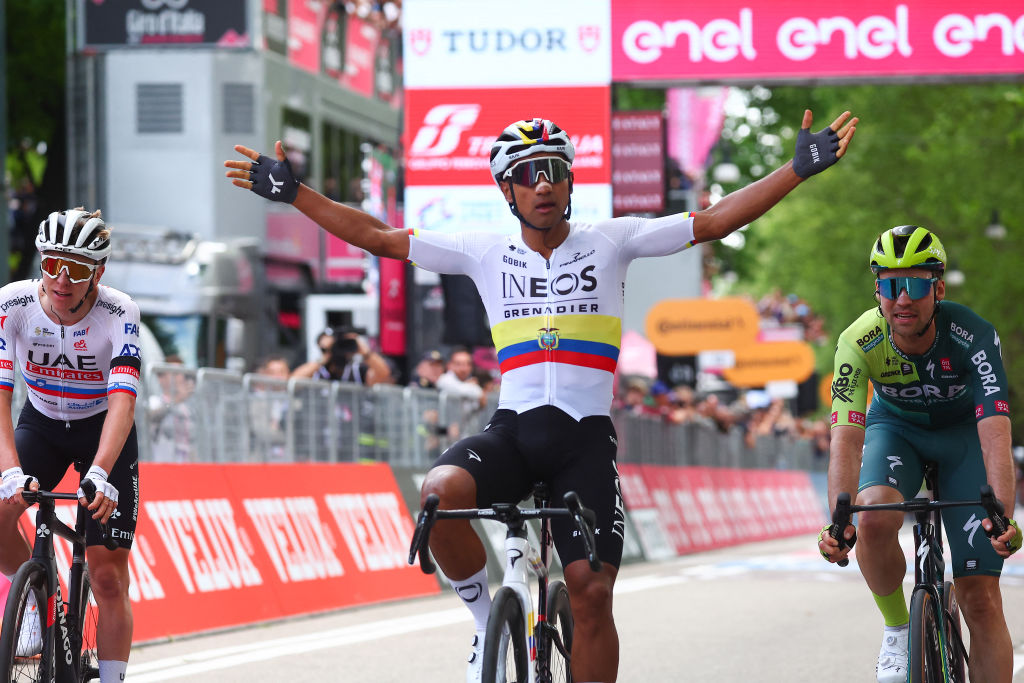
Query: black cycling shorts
x=47, y=447
x=545, y=444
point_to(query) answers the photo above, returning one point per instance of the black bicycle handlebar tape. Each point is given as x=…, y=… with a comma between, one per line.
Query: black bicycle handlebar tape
x=421, y=537
x=840, y=520
x=585, y=520
x=994, y=508
x=109, y=542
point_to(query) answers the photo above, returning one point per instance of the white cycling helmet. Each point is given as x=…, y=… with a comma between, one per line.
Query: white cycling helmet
x=75, y=231
x=524, y=138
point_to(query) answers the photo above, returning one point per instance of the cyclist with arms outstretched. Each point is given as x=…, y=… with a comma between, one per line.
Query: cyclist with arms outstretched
x=940, y=395
x=553, y=295
x=76, y=343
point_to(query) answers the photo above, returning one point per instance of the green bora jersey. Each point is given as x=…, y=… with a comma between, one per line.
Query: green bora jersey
x=960, y=375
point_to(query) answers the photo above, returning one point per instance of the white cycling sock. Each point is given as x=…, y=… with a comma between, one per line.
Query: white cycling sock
x=477, y=597
x=894, y=629
x=112, y=671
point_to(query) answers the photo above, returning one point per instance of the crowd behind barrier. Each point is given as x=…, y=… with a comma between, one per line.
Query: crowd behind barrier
x=208, y=415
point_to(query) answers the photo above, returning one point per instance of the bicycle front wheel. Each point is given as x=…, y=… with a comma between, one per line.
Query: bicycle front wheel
x=925, y=639
x=85, y=620
x=506, y=658
x=21, y=642
x=555, y=637
x=954, y=635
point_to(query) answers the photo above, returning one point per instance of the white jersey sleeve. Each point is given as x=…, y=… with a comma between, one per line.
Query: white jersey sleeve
x=639, y=237
x=449, y=253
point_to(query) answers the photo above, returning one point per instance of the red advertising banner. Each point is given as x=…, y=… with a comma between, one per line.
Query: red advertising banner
x=656, y=41
x=700, y=508
x=450, y=132
x=638, y=162
x=226, y=545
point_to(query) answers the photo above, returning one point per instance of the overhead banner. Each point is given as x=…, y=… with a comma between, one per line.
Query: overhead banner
x=654, y=40
x=488, y=43
x=164, y=23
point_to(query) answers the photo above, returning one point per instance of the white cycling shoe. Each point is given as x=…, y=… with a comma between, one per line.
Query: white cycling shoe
x=892, y=658
x=30, y=640
x=474, y=669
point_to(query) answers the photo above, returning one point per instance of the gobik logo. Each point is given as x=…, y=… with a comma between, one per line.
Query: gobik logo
x=442, y=129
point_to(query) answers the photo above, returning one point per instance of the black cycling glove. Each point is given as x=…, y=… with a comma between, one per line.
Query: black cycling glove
x=274, y=179
x=815, y=151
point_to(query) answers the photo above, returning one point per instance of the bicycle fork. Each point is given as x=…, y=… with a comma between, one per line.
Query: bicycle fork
x=519, y=559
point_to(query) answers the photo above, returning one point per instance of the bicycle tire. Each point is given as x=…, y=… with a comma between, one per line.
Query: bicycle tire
x=87, y=619
x=506, y=657
x=954, y=653
x=560, y=626
x=24, y=668
x=925, y=639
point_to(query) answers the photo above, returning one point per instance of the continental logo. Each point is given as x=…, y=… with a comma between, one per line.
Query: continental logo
x=17, y=301
x=871, y=339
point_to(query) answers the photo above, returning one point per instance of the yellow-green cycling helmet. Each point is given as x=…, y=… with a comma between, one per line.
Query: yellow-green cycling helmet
x=908, y=246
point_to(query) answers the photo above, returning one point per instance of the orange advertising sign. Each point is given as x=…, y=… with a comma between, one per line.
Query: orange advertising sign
x=758, y=364
x=684, y=327
x=825, y=390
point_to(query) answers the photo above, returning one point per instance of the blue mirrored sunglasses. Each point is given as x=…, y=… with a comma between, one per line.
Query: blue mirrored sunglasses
x=528, y=171
x=917, y=287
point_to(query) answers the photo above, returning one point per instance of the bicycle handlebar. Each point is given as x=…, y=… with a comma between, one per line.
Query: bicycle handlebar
x=844, y=510
x=583, y=517
x=89, y=489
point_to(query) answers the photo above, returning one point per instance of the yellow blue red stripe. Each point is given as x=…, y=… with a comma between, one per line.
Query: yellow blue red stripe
x=583, y=340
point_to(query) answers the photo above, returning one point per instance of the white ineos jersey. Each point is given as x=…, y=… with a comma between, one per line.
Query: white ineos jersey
x=69, y=369
x=556, y=322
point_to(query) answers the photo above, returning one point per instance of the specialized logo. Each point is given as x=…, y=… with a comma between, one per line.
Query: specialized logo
x=894, y=462
x=442, y=129
x=547, y=338
x=930, y=367
x=471, y=454
x=923, y=551
x=971, y=527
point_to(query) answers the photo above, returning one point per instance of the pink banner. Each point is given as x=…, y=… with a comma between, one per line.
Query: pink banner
x=653, y=40
x=695, y=117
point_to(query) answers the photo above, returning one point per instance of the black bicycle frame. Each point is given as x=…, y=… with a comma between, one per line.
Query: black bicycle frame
x=63, y=664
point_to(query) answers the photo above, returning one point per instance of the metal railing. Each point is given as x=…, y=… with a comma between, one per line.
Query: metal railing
x=213, y=415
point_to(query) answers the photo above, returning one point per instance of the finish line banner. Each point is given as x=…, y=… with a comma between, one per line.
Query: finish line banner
x=658, y=41
x=228, y=545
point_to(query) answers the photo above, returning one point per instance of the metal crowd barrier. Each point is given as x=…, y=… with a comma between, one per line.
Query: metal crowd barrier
x=213, y=415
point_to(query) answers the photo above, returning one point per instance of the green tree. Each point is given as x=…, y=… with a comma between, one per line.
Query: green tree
x=942, y=156
x=36, y=151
